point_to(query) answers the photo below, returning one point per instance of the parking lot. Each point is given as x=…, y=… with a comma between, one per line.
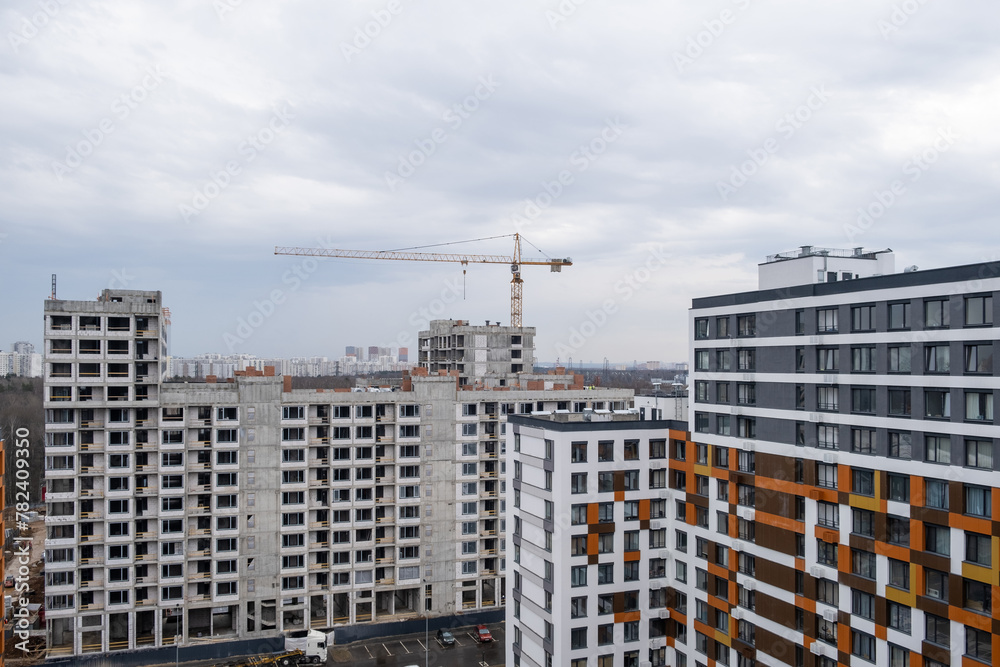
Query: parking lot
x=410, y=650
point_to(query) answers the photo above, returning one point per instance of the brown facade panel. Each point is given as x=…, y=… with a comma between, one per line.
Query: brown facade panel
x=933, y=652
x=775, y=610
x=775, y=502
x=773, y=573
x=854, y=581
x=774, y=466
x=776, y=539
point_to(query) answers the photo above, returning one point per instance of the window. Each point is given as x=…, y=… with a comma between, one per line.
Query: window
x=936, y=584
x=578, y=575
x=863, y=440
x=578, y=638
x=826, y=320
x=977, y=596
x=826, y=553
x=899, y=445
x=899, y=488
x=863, y=481
x=722, y=360
x=937, y=630
x=937, y=404
x=863, y=318
x=936, y=493
x=979, y=645
x=899, y=359
x=899, y=574
x=700, y=422
x=828, y=514
x=937, y=359
x=898, y=617
x=977, y=501
x=701, y=360
x=979, y=406
x=800, y=359
x=606, y=573
x=827, y=359
x=897, y=530
x=936, y=314
x=578, y=482
x=862, y=522
x=979, y=453
x=862, y=399
x=977, y=549
x=863, y=604
x=701, y=391
x=701, y=329
x=899, y=316
x=827, y=436
x=978, y=310
x=826, y=475
x=863, y=563
x=578, y=607
x=722, y=424
x=863, y=645
x=827, y=398
x=938, y=539
x=746, y=427
x=937, y=449
x=746, y=360
x=863, y=359
x=746, y=325
x=828, y=592
x=899, y=401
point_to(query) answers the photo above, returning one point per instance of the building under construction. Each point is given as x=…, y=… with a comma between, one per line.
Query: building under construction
x=185, y=513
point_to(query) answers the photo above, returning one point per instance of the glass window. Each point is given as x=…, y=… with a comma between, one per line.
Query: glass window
x=863, y=318
x=899, y=359
x=936, y=314
x=900, y=445
x=979, y=358
x=977, y=501
x=826, y=320
x=863, y=359
x=899, y=315
x=937, y=403
x=937, y=449
x=979, y=405
x=937, y=359
x=701, y=328
x=978, y=310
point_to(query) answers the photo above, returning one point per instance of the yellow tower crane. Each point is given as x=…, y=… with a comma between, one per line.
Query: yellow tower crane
x=514, y=260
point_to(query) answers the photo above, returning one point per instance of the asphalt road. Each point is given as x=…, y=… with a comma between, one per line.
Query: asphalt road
x=408, y=650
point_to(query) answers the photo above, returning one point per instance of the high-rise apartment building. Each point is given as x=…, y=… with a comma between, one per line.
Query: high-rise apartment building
x=588, y=539
x=843, y=504
x=836, y=502
x=188, y=513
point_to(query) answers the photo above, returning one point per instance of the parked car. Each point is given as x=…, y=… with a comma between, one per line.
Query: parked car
x=8, y=582
x=483, y=634
x=445, y=637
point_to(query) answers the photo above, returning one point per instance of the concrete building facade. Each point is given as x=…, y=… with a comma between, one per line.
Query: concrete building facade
x=486, y=355
x=184, y=513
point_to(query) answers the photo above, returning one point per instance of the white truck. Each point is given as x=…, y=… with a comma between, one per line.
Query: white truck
x=312, y=644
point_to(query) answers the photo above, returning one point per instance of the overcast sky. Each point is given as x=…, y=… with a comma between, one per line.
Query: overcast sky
x=666, y=147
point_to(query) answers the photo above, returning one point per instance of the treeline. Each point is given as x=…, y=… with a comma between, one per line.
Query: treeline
x=20, y=411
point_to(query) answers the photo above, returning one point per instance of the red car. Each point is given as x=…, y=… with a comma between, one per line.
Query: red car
x=483, y=634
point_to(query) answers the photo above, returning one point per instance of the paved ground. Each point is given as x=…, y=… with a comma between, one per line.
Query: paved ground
x=408, y=650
